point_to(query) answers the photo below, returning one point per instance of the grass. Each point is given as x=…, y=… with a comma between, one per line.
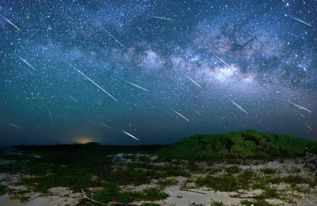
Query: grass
x=233, y=170
x=255, y=203
x=269, y=192
x=217, y=204
x=2, y=190
x=269, y=171
x=249, y=180
x=167, y=182
x=238, y=145
x=150, y=204
x=112, y=193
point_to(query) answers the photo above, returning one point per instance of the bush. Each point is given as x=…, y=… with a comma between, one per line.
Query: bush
x=244, y=144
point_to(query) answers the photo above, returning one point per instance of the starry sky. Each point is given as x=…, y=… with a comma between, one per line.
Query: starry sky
x=154, y=71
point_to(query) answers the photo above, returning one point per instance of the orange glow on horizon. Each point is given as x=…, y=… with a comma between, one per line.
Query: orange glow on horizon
x=85, y=140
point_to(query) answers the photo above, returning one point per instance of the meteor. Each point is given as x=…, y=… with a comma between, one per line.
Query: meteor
x=114, y=38
x=130, y=135
x=299, y=20
x=10, y=22
x=138, y=86
x=301, y=115
x=73, y=98
x=162, y=18
x=11, y=124
x=198, y=113
x=179, y=114
x=239, y=107
x=27, y=63
x=223, y=61
x=97, y=85
x=14, y=125
x=49, y=112
x=309, y=127
x=300, y=107
x=193, y=81
x=105, y=125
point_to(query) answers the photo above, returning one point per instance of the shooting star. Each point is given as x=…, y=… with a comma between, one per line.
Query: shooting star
x=27, y=63
x=14, y=125
x=114, y=38
x=237, y=105
x=97, y=85
x=105, y=125
x=309, y=127
x=193, y=81
x=130, y=135
x=138, y=86
x=11, y=124
x=198, y=113
x=10, y=22
x=299, y=20
x=162, y=18
x=300, y=114
x=179, y=114
x=223, y=61
x=300, y=107
x=49, y=112
x=73, y=98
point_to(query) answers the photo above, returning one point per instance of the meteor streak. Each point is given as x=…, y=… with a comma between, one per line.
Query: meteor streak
x=27, y=63
x=239, y=107
x=97, y=85
x=299, y=20
x=309, y=127
x=179, y=114
x=162, y=18
x=105, y=125
x=11, y=124
x=130, y=135
x=10, y=22
x=223, y=61
x=300, y=107
x=49, y=112
x=73, y=98
x=138, y=86
x=114, y=38
x=193, y=81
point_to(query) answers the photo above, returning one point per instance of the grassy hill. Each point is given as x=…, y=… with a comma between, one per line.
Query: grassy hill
x=243, y=144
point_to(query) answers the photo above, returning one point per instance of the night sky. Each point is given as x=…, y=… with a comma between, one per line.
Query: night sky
x=152, y=72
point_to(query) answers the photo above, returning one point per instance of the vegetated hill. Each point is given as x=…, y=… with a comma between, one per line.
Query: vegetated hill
x=242, y=144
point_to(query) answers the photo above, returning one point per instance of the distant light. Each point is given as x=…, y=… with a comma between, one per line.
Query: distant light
x=85, y=140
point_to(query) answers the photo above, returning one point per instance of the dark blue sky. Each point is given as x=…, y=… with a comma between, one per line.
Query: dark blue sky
x=117, y=71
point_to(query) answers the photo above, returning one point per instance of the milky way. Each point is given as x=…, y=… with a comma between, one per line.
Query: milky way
x=155, y=71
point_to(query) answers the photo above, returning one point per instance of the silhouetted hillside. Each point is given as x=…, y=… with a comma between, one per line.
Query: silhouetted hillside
x=243, y=144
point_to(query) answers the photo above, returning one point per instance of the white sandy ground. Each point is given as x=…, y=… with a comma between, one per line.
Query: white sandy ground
x=61, y=196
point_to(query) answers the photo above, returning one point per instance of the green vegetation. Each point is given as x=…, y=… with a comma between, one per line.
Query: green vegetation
x=269, y=171
x=225, y=183
x=150, y=204
x=217, y=204
x=233, y=170
x=249, y=180
x=245, y=144
x=2, y=190
x=255, y=203
x=167, y=182
x=269, y=192
x=112, y=193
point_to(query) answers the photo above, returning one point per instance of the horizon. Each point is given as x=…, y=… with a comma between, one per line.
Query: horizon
x=152, y=72
x=149, y=144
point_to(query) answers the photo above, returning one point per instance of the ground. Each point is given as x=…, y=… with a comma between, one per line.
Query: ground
x=94, y=175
